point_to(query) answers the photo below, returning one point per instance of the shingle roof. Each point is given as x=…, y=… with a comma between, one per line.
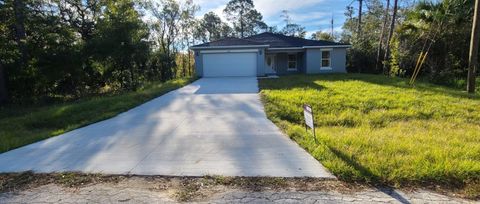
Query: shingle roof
x=279, y=40
x=271, y=39
x=229, y=42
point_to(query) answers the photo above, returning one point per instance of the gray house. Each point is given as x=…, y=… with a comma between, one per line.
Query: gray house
x=268, y=54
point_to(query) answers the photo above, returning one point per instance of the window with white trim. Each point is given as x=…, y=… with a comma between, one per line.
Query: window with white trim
x=326, y=59
x=292, y=62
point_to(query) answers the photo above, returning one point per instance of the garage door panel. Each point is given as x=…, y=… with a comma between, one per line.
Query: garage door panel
x=229, y=64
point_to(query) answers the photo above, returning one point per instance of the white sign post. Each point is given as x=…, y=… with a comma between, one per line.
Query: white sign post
x=309, y=122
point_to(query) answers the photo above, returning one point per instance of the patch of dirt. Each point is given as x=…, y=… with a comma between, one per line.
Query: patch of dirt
x=27, y=180
x=201, y=188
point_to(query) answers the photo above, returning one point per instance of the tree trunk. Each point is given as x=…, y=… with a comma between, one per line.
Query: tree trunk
x=359, y=25
x=20, y=34
x=389, y=39
x=3, y=86
x=190, y=65
x=331, y=24
x=184, y=65
x=382, y=35
x=242, y=21
x=473, y=55
x=359, y=29
x=189, y=60
x=241, y=26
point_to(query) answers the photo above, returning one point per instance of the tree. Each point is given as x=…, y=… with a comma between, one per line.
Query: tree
x=473, y=54
x=3, y=86
x=390, y=34
x=273, y=29
x=81, y=15
x=382, y=34
x=226, y=30
x=73, y=48
x=246, y=20
x=291, y=29
x=319, y=35
x=211, y=26
x=6, y=52
x=20, y=33
x=187, y=23
x=359, y=24
x=123, y=42
x=439, y=32
x=167, y=16
x=361, y=57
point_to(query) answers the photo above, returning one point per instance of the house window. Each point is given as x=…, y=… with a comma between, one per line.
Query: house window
x=292, y=62
x=326, y=59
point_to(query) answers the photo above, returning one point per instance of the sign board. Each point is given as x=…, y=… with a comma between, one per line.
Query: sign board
x=308, y=115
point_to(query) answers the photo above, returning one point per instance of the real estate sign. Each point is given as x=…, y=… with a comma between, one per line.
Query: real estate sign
x=308, y=115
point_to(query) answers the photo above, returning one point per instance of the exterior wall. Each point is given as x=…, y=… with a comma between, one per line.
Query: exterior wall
x=301, y=62
x=308, y=61
x=338, y=61
x=260, y=60
x=281, y=63
x=198, y=63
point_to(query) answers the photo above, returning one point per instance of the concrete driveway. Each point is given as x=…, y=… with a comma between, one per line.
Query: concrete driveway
x=214, y=126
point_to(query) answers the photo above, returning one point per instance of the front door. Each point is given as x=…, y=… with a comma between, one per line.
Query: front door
x=270, y=64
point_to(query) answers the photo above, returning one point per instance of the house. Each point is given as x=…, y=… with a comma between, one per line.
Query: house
x=268, y=54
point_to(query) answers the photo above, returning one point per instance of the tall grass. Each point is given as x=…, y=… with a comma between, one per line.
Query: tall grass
x=377, y=129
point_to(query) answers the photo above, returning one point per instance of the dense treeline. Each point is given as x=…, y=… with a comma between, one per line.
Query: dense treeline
x=72, y=48
x=440, y=31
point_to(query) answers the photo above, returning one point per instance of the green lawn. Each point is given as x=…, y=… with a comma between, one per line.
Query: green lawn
x=22, y=125
x=376, y=129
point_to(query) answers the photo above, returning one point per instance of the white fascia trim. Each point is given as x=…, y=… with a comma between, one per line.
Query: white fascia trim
x=331, y=46
x=266, y=46
x=286, y=48
x=229, y=47
x=228, y=51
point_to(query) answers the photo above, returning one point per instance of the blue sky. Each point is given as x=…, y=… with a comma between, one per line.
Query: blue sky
x=314, y=15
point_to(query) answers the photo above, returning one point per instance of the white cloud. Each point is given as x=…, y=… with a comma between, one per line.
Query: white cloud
x=207, y=4
x=300, y=11
x=219, y=11
x=302, y=17
x=268, y=8
x=272, y=8
x=309, y=34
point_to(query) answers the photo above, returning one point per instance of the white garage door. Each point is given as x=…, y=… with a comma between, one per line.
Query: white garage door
x=230, y=64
